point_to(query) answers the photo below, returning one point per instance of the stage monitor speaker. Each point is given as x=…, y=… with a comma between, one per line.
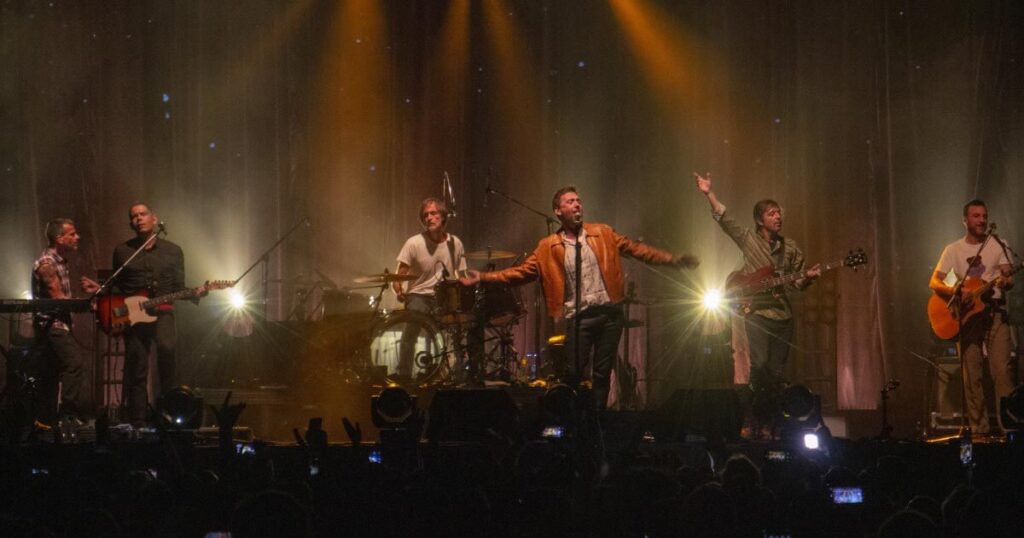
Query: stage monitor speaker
x=689, y=414
x=472, y=415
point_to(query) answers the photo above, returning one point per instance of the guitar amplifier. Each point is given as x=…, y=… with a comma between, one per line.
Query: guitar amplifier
x=947, y=400
x=948, y=387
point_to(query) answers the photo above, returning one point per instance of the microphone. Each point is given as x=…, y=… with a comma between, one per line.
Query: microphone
x=578, y=218
x=446, y=192
x=163, y=229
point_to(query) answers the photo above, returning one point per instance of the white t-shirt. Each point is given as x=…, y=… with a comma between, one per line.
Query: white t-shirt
x=954, y=262
x=426, y=259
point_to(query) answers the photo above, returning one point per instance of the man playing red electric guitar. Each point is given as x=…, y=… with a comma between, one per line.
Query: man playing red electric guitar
x=157, y=270
x=769, y=325
x=961, y=260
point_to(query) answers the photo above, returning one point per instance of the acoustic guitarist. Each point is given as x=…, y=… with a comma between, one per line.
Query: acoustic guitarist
x=961, y=260
x=769, y=326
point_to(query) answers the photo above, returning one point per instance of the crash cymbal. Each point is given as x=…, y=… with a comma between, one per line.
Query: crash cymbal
x=383, y=278
x=490, y=254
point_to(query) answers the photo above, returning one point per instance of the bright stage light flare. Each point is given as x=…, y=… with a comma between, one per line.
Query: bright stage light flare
x=712, y=299
x=237, y=299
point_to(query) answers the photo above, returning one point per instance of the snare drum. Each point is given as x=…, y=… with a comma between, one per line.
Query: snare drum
x=456, y=304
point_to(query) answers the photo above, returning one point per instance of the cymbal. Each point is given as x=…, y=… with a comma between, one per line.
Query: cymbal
x=383, y=278
x=490, y=254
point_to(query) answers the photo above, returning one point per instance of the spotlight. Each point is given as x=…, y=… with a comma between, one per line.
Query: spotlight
x=712, y=299
x=237, y=299
x=180, y=408
x=801, y=405
x=392, y=408
x=802, y=426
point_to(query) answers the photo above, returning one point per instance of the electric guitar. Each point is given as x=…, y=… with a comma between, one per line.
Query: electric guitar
x=118, y=312
x=744, y=291
x=944, y=316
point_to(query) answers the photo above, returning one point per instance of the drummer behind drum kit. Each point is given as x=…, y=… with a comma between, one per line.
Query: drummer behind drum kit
x=369, y=338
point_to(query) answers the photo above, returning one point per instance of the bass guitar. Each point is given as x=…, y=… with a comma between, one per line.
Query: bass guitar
x=944, y=316
x=118, y=312
x=744, y=291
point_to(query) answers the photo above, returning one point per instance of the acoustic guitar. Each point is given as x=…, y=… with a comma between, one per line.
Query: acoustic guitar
x=944, y=316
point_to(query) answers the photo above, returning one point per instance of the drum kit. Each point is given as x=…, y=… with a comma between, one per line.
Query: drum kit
x=375, y=343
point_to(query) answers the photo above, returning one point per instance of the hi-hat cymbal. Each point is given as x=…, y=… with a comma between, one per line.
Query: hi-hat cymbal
x=383, y=278
x=490, y=254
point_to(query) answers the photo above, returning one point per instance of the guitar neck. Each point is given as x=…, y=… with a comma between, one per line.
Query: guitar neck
x=170, y=298
x=782, y=280
x=988, y=285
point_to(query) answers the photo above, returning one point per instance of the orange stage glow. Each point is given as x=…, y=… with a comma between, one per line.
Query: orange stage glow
x=515, y=94
x=668, y=63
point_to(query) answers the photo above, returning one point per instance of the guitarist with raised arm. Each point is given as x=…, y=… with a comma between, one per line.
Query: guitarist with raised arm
x=158, y=270
x=769, y=323
x=982, y=278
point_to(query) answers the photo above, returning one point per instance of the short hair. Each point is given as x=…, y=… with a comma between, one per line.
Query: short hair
x=762, y=206
x=442, y=207
x=973, y=203
x=55, y=228
x=139, y=202
x=557, y=198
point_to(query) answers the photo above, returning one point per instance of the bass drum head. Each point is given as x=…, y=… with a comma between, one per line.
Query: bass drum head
x=409, y=348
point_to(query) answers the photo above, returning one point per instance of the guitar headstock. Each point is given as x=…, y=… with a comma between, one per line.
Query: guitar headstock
x=218, y=284
x=855, y=259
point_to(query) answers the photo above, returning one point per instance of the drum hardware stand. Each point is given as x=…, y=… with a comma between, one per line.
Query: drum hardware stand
x=502, y=353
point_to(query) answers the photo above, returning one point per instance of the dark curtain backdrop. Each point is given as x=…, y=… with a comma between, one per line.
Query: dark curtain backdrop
x=871, y=122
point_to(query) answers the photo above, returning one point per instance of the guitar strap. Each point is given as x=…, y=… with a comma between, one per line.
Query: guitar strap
x=780, y=256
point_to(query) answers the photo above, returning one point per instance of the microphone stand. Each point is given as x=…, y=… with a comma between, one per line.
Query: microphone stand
x=146, y=244
x=886, y=432
x=265, y=260
x=548, y=219
x=551, y=223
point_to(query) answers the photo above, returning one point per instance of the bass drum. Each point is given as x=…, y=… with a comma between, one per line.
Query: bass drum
x=408, y=348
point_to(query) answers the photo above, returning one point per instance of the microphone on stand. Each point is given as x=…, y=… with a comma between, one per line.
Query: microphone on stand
x=163, y=229
x=446, y=193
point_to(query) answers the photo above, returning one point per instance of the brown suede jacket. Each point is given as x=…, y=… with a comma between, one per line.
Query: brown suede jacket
x=548, y=263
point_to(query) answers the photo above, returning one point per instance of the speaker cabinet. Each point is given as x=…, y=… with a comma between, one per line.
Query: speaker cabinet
x=472, y=415
x=690, y=414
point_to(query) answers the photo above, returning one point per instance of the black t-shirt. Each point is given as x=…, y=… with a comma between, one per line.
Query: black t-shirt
x=160, y=269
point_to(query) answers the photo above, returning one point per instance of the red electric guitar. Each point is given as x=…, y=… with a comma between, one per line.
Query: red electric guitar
x=744, y=291
x=118, y=312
